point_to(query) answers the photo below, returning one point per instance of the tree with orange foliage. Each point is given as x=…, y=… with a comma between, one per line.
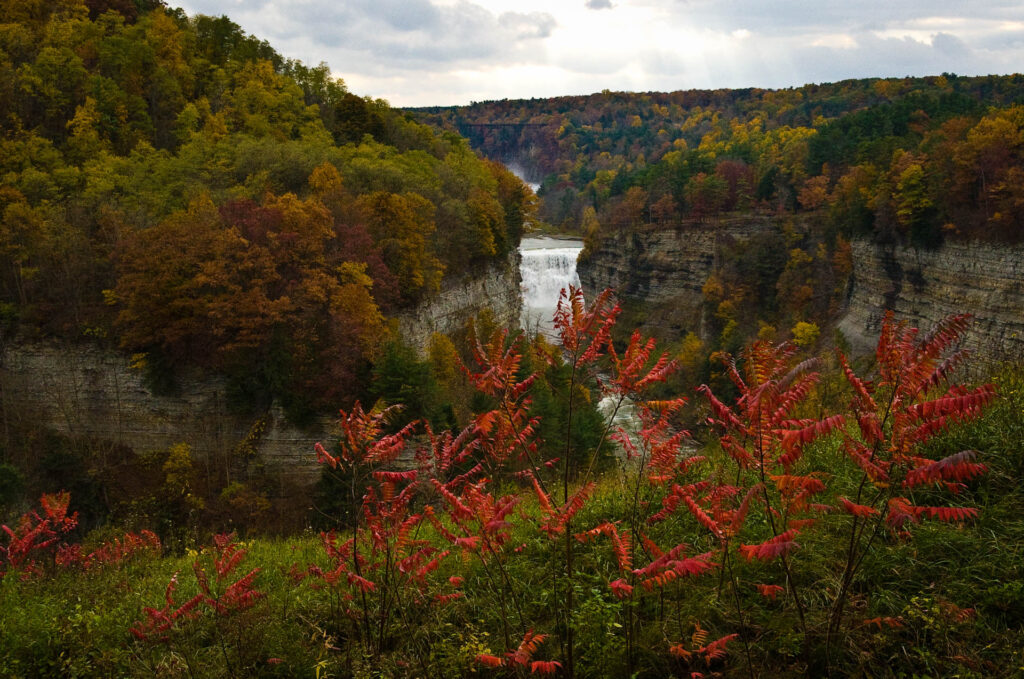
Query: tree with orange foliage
x=881, y=434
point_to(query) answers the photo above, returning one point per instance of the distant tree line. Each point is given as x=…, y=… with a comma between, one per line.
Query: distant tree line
x=912, y=159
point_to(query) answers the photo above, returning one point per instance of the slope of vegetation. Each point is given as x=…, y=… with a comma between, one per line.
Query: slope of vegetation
x=831, y=525
x=173, y=186
x=912, y=158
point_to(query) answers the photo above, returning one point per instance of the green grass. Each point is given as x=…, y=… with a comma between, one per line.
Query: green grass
x=76, y=624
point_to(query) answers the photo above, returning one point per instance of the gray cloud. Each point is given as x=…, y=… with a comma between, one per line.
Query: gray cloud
x=419, y=52
x=949, y=45
x=393, y=34
x=417, y=33
x=232, y=8
x=796, y=16
x=1001, y=41
x=871, y=57
x=533, y=26
x=658, y=62
x=587, y=63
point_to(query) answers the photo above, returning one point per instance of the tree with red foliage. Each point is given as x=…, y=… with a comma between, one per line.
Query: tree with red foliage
x=910, y=401
x=882, y=433
x=221, y=592
x=765, y=439
x=112, y=552
x=522, y=656
x=35, y=535
x=381, y=572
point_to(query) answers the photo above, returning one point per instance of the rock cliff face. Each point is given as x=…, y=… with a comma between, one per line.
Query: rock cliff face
x=497, y=287
x=84, y=391
x=664, y=268
x=87, y=392
x=924, y=286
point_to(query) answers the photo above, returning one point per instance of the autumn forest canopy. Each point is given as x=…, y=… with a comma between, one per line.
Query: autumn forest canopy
x=177, y=189
x=910, y=160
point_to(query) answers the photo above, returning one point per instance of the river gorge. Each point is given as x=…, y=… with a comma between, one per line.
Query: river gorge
x=87, y=391
x=83, y=390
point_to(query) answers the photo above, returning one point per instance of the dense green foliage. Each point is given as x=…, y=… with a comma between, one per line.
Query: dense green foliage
x=929, y=599
x=911, y=159
x=176, y=188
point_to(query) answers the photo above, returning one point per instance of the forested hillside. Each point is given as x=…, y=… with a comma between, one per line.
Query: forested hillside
x=912, y=161
x=914, y=158
x=176, y=188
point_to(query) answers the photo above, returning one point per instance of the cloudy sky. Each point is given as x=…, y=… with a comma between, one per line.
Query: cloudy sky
x=440, y=52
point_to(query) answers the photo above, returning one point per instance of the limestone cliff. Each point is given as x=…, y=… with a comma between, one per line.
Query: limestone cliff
x=496, y=286
x=664, y=268
x=923, y=286
x=85, y=391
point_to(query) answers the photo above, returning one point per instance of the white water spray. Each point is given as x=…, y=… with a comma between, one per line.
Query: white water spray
x=519, y=171
x=548, y=266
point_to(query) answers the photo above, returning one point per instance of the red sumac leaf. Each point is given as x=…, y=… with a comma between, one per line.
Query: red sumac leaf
x=770, y=549
x=544, y=667
x=857, y=510
x=489, y=660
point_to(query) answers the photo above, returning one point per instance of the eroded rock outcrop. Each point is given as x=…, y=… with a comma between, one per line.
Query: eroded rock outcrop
x=85, y=391
x=924, y=286
x=665, y=268
x=496, y=286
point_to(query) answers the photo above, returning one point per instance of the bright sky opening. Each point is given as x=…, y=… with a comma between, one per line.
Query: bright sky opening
x=446, y=52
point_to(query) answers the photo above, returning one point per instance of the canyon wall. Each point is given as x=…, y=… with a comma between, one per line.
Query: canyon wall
x=85, y=391
x=664, y=268
x=924, y=286
x=496, y=286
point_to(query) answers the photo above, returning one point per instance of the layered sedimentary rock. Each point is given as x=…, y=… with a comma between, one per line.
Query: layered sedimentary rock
x=495, y=286
x=664, y=268
x=87, y=392
x=924, y=286
x=84, y=391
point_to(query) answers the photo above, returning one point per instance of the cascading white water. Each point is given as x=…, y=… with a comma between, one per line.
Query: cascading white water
x=520, y=171
x=548, y=266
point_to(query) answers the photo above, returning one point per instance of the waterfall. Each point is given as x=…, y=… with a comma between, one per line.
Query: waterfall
x=548, y=265
x=519, y=171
